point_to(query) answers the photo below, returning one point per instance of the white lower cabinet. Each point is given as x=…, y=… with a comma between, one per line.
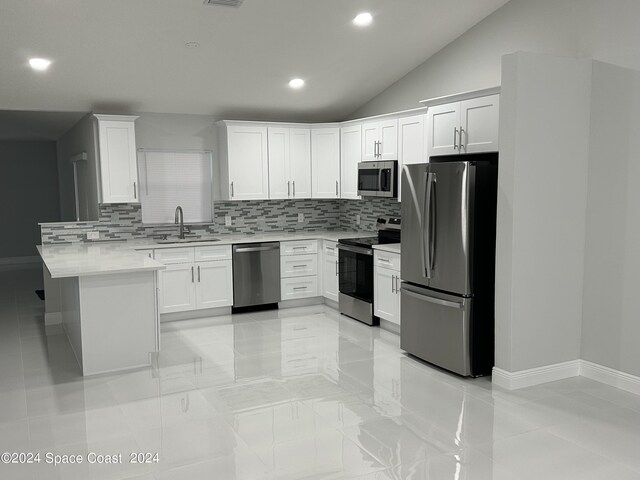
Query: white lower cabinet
x=386, y=286
x=299, y=287
x=187, y=285
x=214, y=284
x=330, y=270
x=177, y=288
x=298, y=269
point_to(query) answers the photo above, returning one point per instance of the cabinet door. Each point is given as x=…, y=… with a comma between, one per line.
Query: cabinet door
x=214, y=284
x=480, y=124
x=370, y=138
x=330, y=271
x=388, y=138
x=279, y=166
x=325, y=162
x=411, y=141
x=351, y=149
x=248, y=162
x=443, y=125
x=385, y=298
x=177, y=288
x=118, y=166
x=300, y=154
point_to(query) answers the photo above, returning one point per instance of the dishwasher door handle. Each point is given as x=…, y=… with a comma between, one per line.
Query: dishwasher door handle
x=256, y=249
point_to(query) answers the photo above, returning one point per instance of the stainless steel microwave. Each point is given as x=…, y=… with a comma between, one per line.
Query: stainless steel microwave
x=378, y=179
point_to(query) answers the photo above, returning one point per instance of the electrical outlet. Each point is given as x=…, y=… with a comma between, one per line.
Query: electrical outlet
x=93, y=235
x=227, y=221
x=301, y=217
x=358, y=220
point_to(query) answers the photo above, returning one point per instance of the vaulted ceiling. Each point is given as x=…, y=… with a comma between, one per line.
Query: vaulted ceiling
x=131, y=55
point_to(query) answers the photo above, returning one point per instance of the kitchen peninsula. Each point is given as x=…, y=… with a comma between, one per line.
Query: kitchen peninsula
x=105, y=297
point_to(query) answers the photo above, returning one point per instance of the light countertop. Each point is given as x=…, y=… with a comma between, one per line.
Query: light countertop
x=99, y=258
x=388, y=247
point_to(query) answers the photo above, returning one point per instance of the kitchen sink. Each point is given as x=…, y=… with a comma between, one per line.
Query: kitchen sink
x=188, y=240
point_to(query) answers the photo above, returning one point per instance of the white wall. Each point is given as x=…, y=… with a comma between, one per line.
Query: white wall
x=28, y=195
x=611, y=311
x=162, y=131
x=80, y=138
x=166, y=131
x=544, y=134
x=602, y=29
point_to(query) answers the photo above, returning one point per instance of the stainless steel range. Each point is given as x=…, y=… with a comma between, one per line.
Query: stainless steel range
x=355, y=270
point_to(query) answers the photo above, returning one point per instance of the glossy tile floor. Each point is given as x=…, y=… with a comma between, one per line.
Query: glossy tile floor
x=294, y=394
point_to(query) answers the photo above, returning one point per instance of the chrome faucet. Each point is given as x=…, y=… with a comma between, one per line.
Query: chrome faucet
x=179, y=220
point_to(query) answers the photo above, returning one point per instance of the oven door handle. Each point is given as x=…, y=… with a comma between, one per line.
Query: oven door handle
x=353, y=249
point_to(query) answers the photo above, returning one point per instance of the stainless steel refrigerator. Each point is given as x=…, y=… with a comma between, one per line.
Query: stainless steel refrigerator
x=448, y=261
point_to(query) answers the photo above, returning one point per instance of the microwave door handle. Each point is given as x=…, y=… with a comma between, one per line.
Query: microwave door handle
x=380, y=180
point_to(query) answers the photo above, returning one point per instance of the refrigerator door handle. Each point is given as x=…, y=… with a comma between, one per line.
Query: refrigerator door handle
x=433, y=221
x=426, y=226
x=437, y=301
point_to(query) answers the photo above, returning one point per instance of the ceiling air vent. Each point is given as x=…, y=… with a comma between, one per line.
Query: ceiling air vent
x=224, y=3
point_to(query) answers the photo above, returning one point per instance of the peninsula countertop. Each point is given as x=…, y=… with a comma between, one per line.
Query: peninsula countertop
x=99, y=257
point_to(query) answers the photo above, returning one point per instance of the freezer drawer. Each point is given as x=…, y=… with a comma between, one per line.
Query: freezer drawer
x=436, y=328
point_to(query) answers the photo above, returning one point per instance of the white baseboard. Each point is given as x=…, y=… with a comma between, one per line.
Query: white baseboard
x=535, y=376
x=559, y=371
x=609, y=376
x=54, y=318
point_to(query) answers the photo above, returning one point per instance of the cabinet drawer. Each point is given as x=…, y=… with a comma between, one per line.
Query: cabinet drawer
x=298, y=265
x=208, y=254
x=174, y=255
x=299, y=287
x=298, y=247
x=330, y=249
x=386, y=260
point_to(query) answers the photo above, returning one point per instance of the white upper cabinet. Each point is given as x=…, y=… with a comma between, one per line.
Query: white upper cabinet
x=467, y=126
x=118, y=165
x=289, y=162
x=351, y=154
x=300, y=162
x=480, y=124
x=325, y=162
x=380, y=140
x=279, y=163
x=411, y=147
x=244, y=161
x=443, y=123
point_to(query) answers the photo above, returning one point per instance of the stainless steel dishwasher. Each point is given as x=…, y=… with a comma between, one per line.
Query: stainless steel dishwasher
x=256, y=274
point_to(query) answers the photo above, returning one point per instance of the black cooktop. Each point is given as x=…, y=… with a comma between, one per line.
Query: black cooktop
x=388, y=232
x=366, y=242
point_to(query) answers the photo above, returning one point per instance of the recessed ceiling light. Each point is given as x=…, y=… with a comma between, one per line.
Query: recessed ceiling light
x=363, y=19
x=296, y=83
x=192, y=44
x=39, y=63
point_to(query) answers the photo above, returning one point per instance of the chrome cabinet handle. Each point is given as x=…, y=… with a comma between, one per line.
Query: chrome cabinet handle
x=301, y=266
x=198, y=273
x=192, y=275
x=336, y=188
x=336, y=268
x=294, y=188
x=393, y=283
x=288, y=189
x=135, y=191
x=462, y=145
x=299, y=288
x=455, y=138
x=231, y=189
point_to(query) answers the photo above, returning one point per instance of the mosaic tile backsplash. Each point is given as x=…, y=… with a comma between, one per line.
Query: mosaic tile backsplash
x=124, y=221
